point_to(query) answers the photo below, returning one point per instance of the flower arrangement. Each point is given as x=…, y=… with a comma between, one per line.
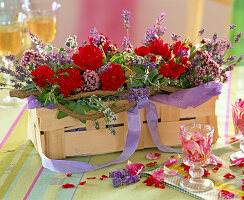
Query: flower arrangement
x=78, y=80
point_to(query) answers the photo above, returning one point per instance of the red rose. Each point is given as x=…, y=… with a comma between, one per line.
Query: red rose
x=171, y=71
x=142, y=51
x=113, y=78
x=89, y=57
x=42, y=75
x=153, y=58
x=178, y=47
x=69, y=79
x=158, y=47
x=183, y=60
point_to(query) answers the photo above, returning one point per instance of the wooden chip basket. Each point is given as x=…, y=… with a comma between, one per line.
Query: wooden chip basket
x=60, y=138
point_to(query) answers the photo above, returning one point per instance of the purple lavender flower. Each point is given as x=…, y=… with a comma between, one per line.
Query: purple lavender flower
x=231, y=58
x=127, y=46
x=117, y=182
x=200, y=33
x=232, y=26
x=137, y=94
x=238, y=37
x=126, y=18
x=175, y=37
x=103, y=68
x=215, y=36
x=160, y=30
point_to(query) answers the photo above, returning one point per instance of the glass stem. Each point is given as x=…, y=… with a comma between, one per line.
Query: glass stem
x=196, y=174
x=242, y=146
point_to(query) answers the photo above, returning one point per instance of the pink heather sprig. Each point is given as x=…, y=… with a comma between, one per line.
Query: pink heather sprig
x=91, y=81
x=31, y=56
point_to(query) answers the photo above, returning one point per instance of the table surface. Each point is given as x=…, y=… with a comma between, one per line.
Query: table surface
x=23, y=177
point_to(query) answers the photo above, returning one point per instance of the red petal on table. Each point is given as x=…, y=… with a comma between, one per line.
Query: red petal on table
x=241, y=165
x=172, y=156
x=229, y=176
x=68, y=175
x=242, y=197
x=156, y=185
x=186, y=177
x=68, y=185
x=162, y=186
x=237, y=162
x=242, y=187
x=82, y=183
x=226, y=194
x=219, y=164
x=151, y=164
x=134, y=168
x=149, y=181
x=215, y=169
x=104, y=176
x=152, y=156
x=170, y=161
x=186, y=167
x=101, y=178
x=158, y=176
x=233, y=139
x=242, y=181
x=91, y=178
x=214, y=160
x=206, y=172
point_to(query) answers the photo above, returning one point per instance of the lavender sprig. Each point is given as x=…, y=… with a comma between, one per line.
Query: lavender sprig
x=126, y=18
x=175, y=37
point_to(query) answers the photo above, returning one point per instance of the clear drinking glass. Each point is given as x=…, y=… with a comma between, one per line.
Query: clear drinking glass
x=196, y=141
x=11, y=31
x=238, y=120
x=42, y=19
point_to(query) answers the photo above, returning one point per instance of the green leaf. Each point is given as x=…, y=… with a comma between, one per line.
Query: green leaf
x=152, y=74
x=116, y=57
x=79, y=109
x=29, y=87
x=138, y=71
x=83, y=121
x=86, y=108
x=71, y=105
x=61, y=115
x=42, y=97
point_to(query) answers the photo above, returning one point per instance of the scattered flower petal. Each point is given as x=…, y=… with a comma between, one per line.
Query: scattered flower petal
x=152, y=156
x=229, y=176
x=91, y=178
x=82, y=183
x=242, y=197
x=214, y=160
x=242, y=187
x=206, y=172
x=151, y=164
x=226, y=194
x=104, y=176
x=162, y=186
x=186, y=167
x=242, y=181
x=215, y=169
x=101, y=178
x=169, y=171
x=156, y=185
x=219, y=164
x=170, y=161
x=68, y=185
x=134, y=168
x=239, y=162
x=149, y=181
x=158, y=176
x=233, y=139
x=243, y=171
x=186, y=177
x=68, y=175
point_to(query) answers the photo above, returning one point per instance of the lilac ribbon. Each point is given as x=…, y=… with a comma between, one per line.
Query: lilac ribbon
x=134, y=129
x=190, y=97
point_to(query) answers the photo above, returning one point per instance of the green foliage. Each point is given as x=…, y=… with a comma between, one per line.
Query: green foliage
x=61, y=115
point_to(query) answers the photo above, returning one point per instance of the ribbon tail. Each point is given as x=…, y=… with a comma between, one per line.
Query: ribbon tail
x=132, y=139
x=152, y=122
